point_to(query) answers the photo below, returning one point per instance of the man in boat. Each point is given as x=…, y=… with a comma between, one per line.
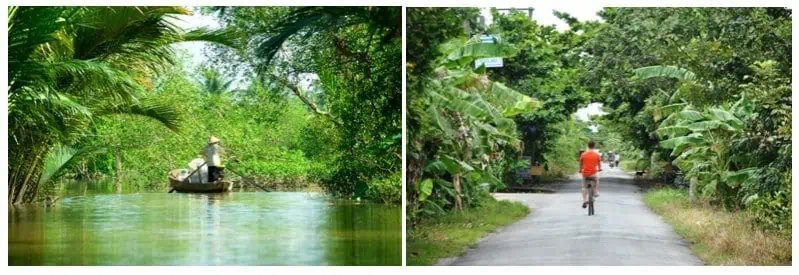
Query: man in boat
x=212, y=153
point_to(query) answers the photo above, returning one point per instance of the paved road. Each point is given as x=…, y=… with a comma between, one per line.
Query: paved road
x=559, y=232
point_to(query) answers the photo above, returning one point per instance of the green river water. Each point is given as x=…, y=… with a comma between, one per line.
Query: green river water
x=247, y=228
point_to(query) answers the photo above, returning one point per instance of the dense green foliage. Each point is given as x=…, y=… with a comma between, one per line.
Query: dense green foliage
x=561, y=154
x=704, y=89
x=261, y=129
x=352, y=57
x=69, y=66
x=469, y=134
x=707, y=89
x=546, y=68
x=321, y=102
x=468, y=117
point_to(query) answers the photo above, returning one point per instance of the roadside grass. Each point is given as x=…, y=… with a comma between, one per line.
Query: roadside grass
x=450, y=234
x=719, y=237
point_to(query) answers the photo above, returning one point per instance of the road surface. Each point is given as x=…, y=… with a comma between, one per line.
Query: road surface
x=623, y=230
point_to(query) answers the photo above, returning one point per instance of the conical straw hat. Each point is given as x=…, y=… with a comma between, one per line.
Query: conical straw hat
x=213, y=140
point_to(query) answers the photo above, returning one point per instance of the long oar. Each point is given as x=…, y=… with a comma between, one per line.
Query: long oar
x=187, y=178
x=245, y=181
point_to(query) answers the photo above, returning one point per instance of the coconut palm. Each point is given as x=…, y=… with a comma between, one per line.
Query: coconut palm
x=214, y=83
x=68, y=65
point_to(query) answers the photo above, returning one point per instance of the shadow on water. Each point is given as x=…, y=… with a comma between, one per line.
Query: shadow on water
x=252, y=228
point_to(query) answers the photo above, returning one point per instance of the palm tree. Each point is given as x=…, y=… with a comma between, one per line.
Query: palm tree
x=213, y=83
x=70, y=64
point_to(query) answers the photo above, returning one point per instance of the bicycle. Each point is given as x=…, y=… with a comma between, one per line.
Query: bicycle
x=590, y=185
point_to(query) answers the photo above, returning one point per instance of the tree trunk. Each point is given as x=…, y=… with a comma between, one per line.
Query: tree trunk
x=692, y=189
x=23, y=184
x=456, y=181
x=118, y=158
x=466, y=152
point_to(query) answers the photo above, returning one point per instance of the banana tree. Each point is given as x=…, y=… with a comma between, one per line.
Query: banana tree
x=702, y=142
x=472, y=117
x=674, y=101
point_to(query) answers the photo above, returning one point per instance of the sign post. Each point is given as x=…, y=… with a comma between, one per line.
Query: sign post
x=490, y=62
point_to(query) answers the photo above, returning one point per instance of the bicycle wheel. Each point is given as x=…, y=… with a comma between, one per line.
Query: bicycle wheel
x=590, y=199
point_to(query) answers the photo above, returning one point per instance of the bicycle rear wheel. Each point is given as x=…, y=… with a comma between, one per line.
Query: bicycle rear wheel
x=590, y=200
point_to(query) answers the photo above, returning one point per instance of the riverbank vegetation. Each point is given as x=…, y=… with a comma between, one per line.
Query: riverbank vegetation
x=719, y=237
x=299, y=95
x=702, y=90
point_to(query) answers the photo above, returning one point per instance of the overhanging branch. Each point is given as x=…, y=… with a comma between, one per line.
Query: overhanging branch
x=298, y=92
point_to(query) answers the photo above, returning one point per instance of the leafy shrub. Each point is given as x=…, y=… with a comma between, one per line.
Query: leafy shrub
x=387, y=190
x=773, y=212
x=561, y=155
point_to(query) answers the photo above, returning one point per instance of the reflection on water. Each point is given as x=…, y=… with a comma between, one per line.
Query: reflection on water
x=205, y=229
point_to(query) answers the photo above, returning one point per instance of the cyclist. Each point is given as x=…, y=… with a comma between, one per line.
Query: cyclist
x=610, y=159
x=590, y=165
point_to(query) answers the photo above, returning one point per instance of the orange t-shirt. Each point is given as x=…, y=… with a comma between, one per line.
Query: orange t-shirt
x=590, y=160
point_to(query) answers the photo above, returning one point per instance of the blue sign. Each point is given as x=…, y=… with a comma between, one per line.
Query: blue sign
x=488, y=39
x=491, y=62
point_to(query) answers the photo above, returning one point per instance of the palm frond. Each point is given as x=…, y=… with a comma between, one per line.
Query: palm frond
x=55, y=162
x=93, y=80
x=167, y=115
x=29, y=28
x=227, y=37
x=214, y=83
x=313, y=20
x=58, y=102
x=60, y=158
x=106, y=31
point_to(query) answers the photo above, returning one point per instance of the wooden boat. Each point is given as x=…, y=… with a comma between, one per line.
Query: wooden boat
x=186, y=187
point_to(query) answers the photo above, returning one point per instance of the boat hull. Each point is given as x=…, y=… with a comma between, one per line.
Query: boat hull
x=184, y=187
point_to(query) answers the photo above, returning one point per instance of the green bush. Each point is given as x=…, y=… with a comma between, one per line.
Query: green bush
x=387, y=190
x=561, y=154
x=266, y=132
x=773, y=212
